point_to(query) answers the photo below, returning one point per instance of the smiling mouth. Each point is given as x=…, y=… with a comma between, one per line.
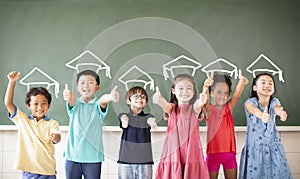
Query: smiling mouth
x=86, y=91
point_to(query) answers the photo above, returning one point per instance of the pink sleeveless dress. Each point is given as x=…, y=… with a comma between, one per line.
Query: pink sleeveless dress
x=182, y=155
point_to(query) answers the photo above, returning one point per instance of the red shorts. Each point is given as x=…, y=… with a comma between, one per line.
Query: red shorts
x=227, y=159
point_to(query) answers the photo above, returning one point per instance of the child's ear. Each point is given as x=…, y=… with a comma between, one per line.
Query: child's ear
x=28, y=106
x=127, y=101
x=173, y=91
x=254, y=88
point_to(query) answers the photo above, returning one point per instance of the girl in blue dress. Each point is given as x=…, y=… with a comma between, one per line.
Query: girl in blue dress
x=263, y=155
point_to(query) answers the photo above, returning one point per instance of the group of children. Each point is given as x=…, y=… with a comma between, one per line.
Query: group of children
x=182, y=157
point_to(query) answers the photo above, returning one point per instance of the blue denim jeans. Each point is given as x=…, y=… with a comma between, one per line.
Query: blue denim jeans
x=28, y=175
x=135, y=171
x=75, y=170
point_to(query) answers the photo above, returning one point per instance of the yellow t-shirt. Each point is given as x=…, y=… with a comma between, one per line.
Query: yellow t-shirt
x=35, y=152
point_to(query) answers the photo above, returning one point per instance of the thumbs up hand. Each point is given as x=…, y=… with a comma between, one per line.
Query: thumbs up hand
x=67, y=93
x=156, y=96
x=203, y=97
x=242, y=78
x=13, y=76
x=265, y=115
x=152, y=122
x=115, y=96
x=209, y=81
x=124, y=121
x=282, y=114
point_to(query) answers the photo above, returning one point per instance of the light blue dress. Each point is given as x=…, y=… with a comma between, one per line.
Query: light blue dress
x=263, y=155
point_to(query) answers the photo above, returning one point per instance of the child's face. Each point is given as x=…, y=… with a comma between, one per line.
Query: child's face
x=38, y=106
x=264, y=86
x=137, y=101
x=184, y=91
x=87, y=87
x=220, y=93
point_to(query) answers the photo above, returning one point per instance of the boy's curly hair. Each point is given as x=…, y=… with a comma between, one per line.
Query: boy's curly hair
x=35, y=91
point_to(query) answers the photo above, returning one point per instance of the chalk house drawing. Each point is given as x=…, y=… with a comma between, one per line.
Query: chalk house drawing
x=135, y=71
x=256, y=66
x=186, y=63
x=38, y=77
x=89, y=59
x=221, y=65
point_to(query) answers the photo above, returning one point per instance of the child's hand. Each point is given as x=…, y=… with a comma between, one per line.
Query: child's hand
x=156, y=96
x=67, y=93
x=282, y=114
x=265, y=116
x=203, y=97
x=200, y=102
x=209, y=81
x=242, y=78
x=151, y=121
x=115, y=96
x=13, y=76
x=55, y=136
x=124, y=121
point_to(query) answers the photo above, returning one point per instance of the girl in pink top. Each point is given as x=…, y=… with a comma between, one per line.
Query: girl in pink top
x=220, y=142
x=182, y=155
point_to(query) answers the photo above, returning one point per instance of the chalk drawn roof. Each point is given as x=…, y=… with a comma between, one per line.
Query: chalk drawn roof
x=134, y=70
x=44, y=79
x=255, y=67
x=221, y=65
x=94, y=61
x=173, y=64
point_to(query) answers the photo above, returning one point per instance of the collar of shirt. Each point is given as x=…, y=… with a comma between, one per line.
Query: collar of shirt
x=139, y=114
x=31, y=117
x=81, y=100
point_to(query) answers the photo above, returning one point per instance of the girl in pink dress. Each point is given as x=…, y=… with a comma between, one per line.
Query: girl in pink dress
x=182, y=155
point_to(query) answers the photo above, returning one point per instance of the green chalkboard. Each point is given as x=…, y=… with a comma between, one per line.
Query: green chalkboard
x=152, y=38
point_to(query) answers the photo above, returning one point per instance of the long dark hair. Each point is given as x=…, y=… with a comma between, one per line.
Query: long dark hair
x=254, y=93
x=178, y=78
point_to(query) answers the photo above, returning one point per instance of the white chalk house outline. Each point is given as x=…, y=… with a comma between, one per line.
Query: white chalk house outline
x=54, y=82
x=231, y=73
x=171, y=67
x=264, y=57
x=150, y=82
x=98, y=65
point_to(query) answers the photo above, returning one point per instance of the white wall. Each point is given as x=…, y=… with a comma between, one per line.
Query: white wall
x=111, y=137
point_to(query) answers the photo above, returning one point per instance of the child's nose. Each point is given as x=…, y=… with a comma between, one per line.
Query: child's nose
x=39, y=106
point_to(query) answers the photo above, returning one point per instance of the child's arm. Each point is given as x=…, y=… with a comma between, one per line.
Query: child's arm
x=9, y=95
x=106, y=98
x=161, y=101
x=252, y=109
x=238, y=91
x=280, y=112
x=200, y=102
x=207, y=83
x=68, y=96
